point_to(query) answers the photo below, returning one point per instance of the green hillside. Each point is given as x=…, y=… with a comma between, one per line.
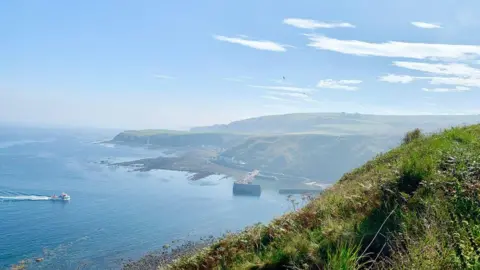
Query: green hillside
x=316, y=156
x=169, y=138
x=414, y=207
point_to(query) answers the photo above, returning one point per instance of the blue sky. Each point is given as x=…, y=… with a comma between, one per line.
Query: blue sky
x=176, y=64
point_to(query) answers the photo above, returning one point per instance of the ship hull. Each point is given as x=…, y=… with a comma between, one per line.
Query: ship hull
x=60, y=199
x=246, y=189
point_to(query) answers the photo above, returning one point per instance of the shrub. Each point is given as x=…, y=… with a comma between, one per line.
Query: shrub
x=412, y=135
x=414, y=170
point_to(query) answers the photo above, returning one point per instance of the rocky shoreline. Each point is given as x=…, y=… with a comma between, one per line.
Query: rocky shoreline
x=195, y=161
x=201, y=163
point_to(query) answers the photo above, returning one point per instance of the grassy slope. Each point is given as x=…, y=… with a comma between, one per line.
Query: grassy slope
x=415, y=207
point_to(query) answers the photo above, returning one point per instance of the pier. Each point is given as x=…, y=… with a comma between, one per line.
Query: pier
x=245, y=186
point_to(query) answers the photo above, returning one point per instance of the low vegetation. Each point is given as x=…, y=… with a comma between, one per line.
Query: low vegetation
x=414, y=207
x=412, y=135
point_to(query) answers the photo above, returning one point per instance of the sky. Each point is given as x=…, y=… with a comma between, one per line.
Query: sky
x=178, y=64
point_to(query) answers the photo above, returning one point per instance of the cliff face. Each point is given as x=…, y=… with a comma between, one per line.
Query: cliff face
x=179, y=140
x=316, y=156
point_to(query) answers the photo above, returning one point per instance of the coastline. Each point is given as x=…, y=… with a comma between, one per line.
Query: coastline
x=194, y=161
x=201, y=163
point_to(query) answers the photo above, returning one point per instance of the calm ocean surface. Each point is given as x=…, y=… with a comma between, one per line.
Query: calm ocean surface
x=114, y=214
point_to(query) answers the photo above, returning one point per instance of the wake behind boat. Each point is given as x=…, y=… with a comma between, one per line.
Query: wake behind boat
x=26, y=197
x=63, y=197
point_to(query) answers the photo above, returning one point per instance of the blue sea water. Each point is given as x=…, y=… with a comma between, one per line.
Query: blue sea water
x=114, y=214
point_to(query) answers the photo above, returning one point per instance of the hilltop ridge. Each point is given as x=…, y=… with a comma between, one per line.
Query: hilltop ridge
x=339, y=124
x=414, y=207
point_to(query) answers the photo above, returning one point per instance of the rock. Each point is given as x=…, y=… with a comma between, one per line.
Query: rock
x=39, y=260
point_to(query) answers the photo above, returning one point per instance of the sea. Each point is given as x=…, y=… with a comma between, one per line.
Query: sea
x=115, y=214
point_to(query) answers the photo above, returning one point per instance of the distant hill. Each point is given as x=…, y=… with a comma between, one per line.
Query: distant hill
x=341, y=124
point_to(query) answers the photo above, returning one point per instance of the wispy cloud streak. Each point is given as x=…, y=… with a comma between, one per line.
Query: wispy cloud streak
x=312, y=24
x=426, y=25
x=255, y=44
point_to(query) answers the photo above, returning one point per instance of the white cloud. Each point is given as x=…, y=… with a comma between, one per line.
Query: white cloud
x=451, y=72
x=341, y=84
x=455, y=74
x=284, y=88
x=291, y=97
x=275, y=98
x=394, y=48
x=312, y=24
x=392, y=78
x=458, y=81
x=289, y=94
x=426, y=25
x=255, y=44
x=467, y=82
x=442, y=90
x=441, y=69
x=165, y=77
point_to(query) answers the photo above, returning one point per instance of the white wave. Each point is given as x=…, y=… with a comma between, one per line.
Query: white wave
x=324, y=186
x=109, y=145
x=104, y=143
x=8, y=144
x=24, y=198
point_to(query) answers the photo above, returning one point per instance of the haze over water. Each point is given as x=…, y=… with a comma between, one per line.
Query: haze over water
x=114, y=214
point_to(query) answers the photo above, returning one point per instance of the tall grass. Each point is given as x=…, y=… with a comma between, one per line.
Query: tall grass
x=345, y=256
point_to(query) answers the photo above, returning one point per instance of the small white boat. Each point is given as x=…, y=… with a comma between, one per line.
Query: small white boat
x=63, y=197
